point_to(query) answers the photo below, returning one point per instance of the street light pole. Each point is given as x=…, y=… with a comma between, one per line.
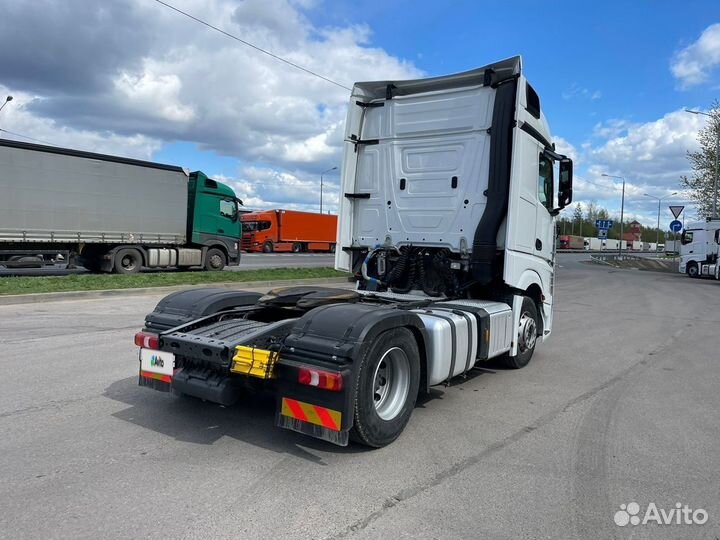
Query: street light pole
x=321, y=185
x=622, y=210
x=7, y=100
x=657, y=232
x=717, y=151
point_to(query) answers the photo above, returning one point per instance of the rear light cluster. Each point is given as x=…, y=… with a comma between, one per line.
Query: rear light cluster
x=147, y=340
x=326, y=380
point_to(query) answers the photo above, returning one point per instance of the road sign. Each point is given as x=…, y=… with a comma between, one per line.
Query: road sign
x=675, y=225
x=604, y=223
x=676, y=210
x=602, y=234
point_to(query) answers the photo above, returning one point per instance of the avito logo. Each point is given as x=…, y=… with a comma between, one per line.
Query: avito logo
x=156, y=361
x=629, y=514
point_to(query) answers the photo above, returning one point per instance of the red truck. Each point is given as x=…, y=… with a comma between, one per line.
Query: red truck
x=566, y=241
x=288, y=230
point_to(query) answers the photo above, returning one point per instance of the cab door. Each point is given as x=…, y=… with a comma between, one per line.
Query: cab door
x=544, y=221
x=216, y=215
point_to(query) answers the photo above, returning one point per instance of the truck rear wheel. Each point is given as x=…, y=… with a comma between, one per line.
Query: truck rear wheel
x=692, y=270
x=386, y=388
x=268, y=247
x=526, y=336
x=214, y=260
x=297, y=247
x=127, y=261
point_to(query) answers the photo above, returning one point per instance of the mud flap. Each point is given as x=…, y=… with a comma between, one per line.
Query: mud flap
x=340, y=438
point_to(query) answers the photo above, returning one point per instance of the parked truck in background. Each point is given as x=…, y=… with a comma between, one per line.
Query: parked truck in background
x=112, y=213
x=288, y=230
x=699, y=246
x=612, y=244
x=672, y=247
x=450, y=190
x=567, y=241
x=593, y=244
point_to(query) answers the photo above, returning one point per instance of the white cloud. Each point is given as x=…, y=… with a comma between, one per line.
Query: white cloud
x=652, y=152
x=17, y=123
x=565, y=148
x=692, y=65
x=153, y=93
x=651, y=156
x=576, y=92
x=611, y=128
x=177, y=80
x=262, y=187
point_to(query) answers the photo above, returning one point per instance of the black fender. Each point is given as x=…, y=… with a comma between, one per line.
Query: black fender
x=182, y=307
x=335, y=337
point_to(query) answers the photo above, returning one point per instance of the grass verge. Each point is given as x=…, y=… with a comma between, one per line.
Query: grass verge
x=95, y=282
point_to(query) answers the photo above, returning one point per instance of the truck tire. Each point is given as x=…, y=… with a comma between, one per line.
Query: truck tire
x=215, y=260
x=127, y=261
x=268, y=247
x=386, y=388
x=527, y=336
x=297, y=247
x=332, y=248
x=692, y=270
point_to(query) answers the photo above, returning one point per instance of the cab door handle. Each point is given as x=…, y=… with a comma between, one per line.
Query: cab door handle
x=221, y=231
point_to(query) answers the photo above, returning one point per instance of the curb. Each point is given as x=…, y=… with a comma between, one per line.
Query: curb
x=35, y=298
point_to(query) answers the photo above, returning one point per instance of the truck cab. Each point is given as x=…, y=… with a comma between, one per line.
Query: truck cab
x=260, y=231
x=451, y=186
x=699, y=246
x=213, y=216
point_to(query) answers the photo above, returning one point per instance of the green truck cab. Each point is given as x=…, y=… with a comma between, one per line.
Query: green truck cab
x=214, y=217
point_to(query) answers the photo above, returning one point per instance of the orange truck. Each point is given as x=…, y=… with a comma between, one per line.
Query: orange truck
x=288, y=230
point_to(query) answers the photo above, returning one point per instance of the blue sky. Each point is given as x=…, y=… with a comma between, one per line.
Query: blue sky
x=613, y=78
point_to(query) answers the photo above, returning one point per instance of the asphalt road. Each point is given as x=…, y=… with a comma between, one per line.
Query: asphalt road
x=248, y=261
x=620, y=406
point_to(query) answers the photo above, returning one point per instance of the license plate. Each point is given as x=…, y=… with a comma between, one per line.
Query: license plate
x=158, y=362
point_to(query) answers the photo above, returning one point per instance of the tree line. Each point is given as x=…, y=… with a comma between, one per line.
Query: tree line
x=699, y=185
x=581, y=222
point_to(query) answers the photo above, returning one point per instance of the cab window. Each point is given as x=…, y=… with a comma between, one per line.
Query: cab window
x=545, y=182
x=227, y=208
x=686, y=238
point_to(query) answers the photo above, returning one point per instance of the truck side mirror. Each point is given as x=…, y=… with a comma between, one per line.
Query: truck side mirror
x=565, y=183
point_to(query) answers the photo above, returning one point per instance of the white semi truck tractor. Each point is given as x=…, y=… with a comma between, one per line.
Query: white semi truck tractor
x=450, y=188
x=699, y=244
